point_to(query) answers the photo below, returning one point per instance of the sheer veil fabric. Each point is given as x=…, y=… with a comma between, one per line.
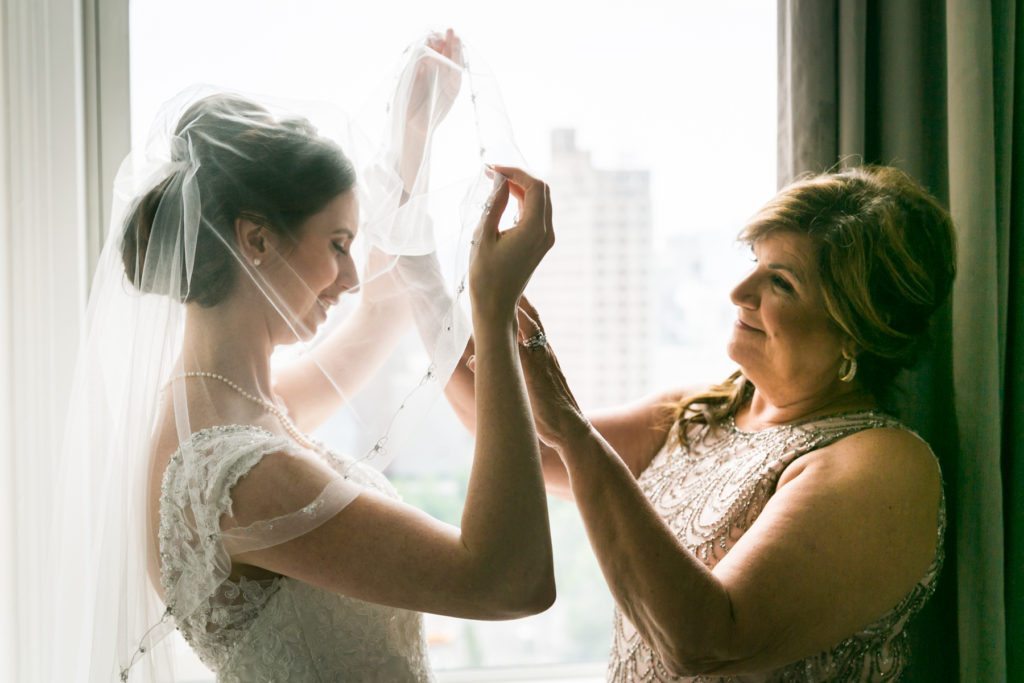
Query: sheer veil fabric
x=211, y=246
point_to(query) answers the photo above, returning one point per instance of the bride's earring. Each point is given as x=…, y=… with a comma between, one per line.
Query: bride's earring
x=256, y=262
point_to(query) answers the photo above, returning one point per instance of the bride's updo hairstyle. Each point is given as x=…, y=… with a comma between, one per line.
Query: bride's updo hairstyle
x=886, y=258
x=246, y=163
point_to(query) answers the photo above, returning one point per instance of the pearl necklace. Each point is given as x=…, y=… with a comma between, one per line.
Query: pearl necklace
x=288, y=425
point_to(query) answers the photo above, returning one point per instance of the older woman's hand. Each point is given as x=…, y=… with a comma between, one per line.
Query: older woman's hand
x=555, y=411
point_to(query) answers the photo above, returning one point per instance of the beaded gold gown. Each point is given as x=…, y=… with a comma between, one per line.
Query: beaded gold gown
x=711, y=492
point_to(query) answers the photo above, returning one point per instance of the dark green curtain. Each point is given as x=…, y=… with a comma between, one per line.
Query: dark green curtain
x=932, y=86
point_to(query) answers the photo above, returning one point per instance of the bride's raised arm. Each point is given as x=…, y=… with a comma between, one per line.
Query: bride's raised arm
x=314, y=386
x=498, y=564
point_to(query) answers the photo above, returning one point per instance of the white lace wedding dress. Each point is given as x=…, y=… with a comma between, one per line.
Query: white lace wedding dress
x=279, y=629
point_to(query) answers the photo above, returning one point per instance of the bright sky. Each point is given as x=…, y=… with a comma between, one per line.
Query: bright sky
x=685, y=89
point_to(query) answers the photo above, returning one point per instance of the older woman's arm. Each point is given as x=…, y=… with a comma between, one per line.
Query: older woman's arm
x=848, y=532
x=636, y=430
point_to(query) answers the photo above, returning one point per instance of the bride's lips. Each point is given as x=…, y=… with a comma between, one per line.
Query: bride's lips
x=326, y=303
x=744, y=326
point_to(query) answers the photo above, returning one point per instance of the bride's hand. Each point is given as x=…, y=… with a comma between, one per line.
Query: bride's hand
x=449, y=75
x=436, y=79
x=556, y=413
x=441, y=67
x=502, y=262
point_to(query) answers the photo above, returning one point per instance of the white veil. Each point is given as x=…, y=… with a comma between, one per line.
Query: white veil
x=210, y=224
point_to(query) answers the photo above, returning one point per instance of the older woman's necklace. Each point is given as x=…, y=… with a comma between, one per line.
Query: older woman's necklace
x=285, y=421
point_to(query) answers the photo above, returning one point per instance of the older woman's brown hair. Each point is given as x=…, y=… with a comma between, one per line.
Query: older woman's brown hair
x=886, y=257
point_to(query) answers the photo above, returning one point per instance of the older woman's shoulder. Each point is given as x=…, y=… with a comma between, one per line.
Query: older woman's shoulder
x=891, y=442
x=890, y=457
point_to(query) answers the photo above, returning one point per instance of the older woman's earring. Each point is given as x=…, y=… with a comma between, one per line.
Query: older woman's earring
x=848, y=368
x=256, y=262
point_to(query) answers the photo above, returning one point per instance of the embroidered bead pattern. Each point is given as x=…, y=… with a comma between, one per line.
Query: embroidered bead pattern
x=710, y=493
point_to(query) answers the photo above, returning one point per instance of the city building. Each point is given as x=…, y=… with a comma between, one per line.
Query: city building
x=595, y=289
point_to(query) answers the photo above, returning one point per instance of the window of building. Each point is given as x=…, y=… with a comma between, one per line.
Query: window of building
x=673, y=105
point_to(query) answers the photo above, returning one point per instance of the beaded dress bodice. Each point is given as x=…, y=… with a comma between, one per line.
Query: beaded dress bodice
x=710, y=493
x=278, y=629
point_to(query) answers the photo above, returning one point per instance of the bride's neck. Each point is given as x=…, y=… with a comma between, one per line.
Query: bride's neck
x=228, y=341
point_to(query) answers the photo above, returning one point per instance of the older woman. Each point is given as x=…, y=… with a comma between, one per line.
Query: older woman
x=780, y=525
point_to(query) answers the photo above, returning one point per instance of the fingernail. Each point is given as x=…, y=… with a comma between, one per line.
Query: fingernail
x=471, y=363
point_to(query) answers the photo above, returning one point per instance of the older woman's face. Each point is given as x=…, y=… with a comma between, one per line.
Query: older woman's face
x=783, y=338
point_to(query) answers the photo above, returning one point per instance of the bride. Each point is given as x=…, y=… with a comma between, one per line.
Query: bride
x=212, y=510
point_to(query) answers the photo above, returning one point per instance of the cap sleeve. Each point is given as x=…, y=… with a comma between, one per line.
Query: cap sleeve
x=199, y=506
x=298, y=491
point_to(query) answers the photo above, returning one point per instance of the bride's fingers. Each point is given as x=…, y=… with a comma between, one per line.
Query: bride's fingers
x=449, y=43
x=499, y=200
x=487, y=228
x=536, y=194
x=514, y=189
x=547, y=205
x=443, y=46
x=517, y=190
x=519, y=177
x=457, y=56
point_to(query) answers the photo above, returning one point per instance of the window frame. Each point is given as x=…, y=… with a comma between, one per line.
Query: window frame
x=107, y=90
x=63, y=130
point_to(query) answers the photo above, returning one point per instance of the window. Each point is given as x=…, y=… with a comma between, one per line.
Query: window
x=659, y=122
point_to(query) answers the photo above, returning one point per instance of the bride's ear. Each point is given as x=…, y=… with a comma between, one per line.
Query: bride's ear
x=251, y=235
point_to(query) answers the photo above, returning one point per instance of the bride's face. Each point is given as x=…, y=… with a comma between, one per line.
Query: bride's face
x=319, y=267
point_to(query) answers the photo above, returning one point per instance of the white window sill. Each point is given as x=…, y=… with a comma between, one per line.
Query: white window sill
x=561, y=673
x=557, y=673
